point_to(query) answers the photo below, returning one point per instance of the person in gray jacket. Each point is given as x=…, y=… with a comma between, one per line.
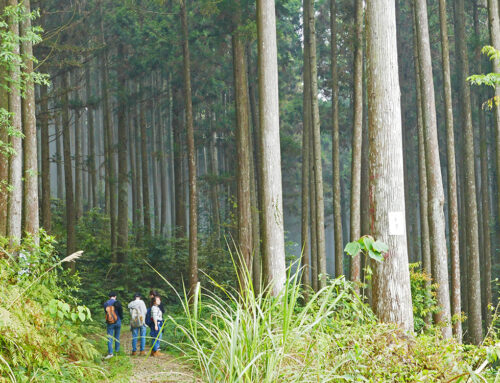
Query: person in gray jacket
x=138, y=323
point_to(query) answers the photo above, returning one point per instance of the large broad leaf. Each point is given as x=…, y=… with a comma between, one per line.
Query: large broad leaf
x=380, y=246
x=368, y=242
x=376, y=256
x=353, y=248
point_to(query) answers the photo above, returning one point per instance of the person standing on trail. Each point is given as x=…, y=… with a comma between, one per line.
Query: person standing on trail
x=156, y=325
x=138, y=323
x=152, y=294
x=114, y=315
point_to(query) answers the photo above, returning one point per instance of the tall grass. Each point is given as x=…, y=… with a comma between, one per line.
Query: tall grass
x=231, y=336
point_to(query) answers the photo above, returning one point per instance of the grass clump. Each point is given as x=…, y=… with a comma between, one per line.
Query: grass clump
x=334, y=337
x=40, y=337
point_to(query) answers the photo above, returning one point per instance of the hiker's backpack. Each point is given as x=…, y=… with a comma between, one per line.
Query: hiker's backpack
x=136, y=318
x=111, y=317
x=149, y=321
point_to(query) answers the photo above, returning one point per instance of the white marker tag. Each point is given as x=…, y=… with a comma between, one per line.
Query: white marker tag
x=396, y=223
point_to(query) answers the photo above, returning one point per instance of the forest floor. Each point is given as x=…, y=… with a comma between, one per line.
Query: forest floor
x=148, y=369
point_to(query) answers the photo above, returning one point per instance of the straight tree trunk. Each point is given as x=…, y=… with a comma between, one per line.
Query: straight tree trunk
x=193, y=196
x=312, y=216
x=180, y=195
x=437, y=223
x=131, y=159
x=4, y=160
x=122, y=221
x=138, y=172
x=91, y=141
x=164, y=190
x=357, y=138
x=30, y=150
x=391, y=298
x=59, y=156
x=108, y=133
x=425, y=245
x=145, y=169
x=319, y=220
x=68, y=172
x=243, y=152
x=494, y=24
x=306, y=241
x=456, y=306
x=474, y=278
x=78, y=146
x=45, y=154
x=272, y=234
x=337, y=208
x=155, y=157
x=14, y=212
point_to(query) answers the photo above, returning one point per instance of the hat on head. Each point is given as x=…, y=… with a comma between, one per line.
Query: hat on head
x=112, y=294
x=137, y=295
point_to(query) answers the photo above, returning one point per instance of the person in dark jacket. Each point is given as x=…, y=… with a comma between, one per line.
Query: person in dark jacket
x=113, y=329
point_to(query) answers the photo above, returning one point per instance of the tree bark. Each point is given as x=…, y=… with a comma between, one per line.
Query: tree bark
x=319, y=220
x=494, y=24
x=456, y=307
x=59, y=156
x=193, y=196
x=180, y=195
x=122, y=221
x=243, y=149
x=437, y=224
x=14, y=212
x=91, y=141
x=30, y=150
x=474, y=284
x=4, y=160
x=45, y=154
x=391, y=299
x=337, y=209
x=68, y=172
x=357, y=138
x=272, y=234
x=144, y=164
x=78, y=145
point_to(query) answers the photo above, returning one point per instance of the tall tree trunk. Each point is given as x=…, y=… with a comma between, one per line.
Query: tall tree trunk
x=14, y=212
x=75, y=77
x=138, y=171
x=456, y=306
x=108, y=133
x=91, y=141
x=319, y=220
x=45, y=154
x=306, y=240
x=144, y=164
x=155, y=156
x=59, y=156
x=357, y=137
x=391, y=299
x=133, y=170
x=312, y=216
x=4, y=160
x=484, y=224
x=272, y=234
x=68, y=171
x=494, y=24
x=437, y=223
x=180, y=195
x=122, y=221
x=165, y=195
x=30, y=208
x=425, y=245
x=337, y=209
x=193, y=196
x=243, y=152
x=474, y=279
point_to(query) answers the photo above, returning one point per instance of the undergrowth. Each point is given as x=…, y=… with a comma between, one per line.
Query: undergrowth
x=334, y=337
x=40, y=321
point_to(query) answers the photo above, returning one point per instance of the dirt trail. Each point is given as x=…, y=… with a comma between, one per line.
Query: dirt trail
x=161, y=369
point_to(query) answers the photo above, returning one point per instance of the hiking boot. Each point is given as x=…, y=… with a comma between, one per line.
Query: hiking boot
x=109, y=356
x=143, y=353
x=156, y=353
x=134, y=353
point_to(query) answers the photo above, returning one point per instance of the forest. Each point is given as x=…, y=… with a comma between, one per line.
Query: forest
x=311, y=188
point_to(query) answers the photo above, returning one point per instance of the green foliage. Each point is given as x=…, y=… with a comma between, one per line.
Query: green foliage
x=376, y=250
x=332, y=337
x=423, y=296
x=40, y=340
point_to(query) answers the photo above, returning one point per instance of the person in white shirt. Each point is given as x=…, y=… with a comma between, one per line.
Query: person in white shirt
x=138, y=313
x=156, y=329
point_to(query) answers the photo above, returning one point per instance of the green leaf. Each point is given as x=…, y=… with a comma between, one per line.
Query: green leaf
x=380, y=246
x=368, y=242
x=81, y=316
x=353, y=248
x=376, y=256
x=74, y=317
